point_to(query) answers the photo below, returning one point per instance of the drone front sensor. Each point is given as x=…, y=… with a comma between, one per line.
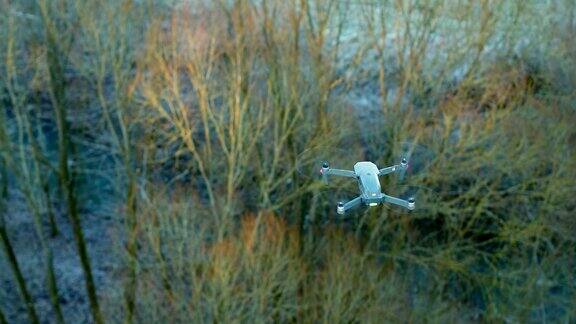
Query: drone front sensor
x=367, y=173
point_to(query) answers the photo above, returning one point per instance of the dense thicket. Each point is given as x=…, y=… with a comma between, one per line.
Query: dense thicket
x=163, y=153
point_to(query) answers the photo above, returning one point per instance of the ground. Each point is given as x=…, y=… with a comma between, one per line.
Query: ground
x=101, y=234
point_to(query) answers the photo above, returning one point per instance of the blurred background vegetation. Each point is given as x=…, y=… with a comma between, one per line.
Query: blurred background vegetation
x=158, y=160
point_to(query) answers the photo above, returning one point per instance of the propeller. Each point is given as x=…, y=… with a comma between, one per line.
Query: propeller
x=415, y=157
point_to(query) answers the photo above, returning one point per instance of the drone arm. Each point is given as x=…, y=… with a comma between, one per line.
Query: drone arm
x=409, y=204
x=397, y=167
x=326, y=170
x=344, y=207
x=388, y=170
x=341, y=173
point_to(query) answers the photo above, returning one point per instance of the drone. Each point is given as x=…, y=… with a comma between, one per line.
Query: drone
x=367, y=173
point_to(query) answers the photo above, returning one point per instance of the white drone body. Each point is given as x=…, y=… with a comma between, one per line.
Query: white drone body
x=371, y=194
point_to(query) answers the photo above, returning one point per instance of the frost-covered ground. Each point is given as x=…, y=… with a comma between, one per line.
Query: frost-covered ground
x=101, y=231
x=440, y=43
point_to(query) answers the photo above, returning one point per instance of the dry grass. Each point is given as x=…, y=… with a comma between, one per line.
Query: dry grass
x=194, y=120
